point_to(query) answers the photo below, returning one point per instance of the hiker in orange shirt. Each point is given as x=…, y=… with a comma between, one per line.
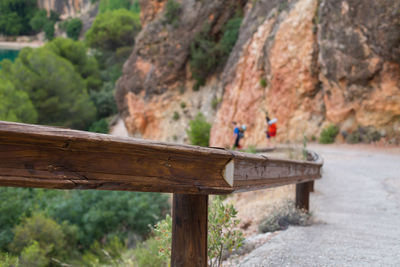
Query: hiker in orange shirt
x=271, y=128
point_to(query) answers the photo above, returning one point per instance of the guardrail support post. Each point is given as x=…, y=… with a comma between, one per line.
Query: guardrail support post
x=189, y=230
x=303, y=195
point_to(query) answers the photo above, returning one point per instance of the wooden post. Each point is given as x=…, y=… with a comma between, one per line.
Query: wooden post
x=303, y=195
x=189, y=230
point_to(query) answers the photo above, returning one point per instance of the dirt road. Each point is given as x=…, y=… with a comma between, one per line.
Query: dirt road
x=356, y=206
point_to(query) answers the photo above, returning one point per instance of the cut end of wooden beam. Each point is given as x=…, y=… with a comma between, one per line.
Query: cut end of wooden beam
x=228, y=172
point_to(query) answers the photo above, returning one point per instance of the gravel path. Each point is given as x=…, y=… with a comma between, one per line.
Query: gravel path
x=356, y=206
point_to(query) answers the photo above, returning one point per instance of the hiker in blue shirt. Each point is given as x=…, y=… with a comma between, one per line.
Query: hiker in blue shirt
x=238, y=133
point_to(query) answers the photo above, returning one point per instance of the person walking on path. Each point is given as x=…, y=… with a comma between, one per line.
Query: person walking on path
x=271, y=127
x=238, y=133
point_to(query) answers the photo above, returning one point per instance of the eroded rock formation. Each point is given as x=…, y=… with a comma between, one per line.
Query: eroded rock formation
x=308, y=62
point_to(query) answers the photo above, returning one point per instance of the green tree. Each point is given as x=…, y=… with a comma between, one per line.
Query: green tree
x=15, y=16
x=199, y=131
x=76, y=53
x=15, y=105
x=45, y=231
x=38, y=21
x=73, y=28
x=34, y=256
x=113, y=29
x=56, y=90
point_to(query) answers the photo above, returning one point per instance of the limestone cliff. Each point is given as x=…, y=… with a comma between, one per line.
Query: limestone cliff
x=308, y=62
x=66, y=8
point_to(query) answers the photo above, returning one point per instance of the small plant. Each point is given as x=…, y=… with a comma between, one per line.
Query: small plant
x=172, y=12
x=223, y=234
x=304, y=150
x=251, y=149
x=100, y=126
x=215, y=102
x=176, y=116
x=199, y=131
x=329, y=134
x=363, y=135
x=283, y=216
x=183, y=105
x=263, y=82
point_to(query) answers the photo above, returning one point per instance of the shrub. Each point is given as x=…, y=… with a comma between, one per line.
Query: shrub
x=147, y=254
x=73, y=28
x=176, y=116
x=172, y=12
x=15, y=16
x=364, y=135
x=100, y=126
x=206, y=53
x=215, y=102
x=38, y=235
x=113, y=29
x=104, y=101
x=48, y=29
x=329, y=134
x=34, y=255
x=183, y=105
x=222, y=233
x=263, y=82
x=199, y=131
x=283, y=216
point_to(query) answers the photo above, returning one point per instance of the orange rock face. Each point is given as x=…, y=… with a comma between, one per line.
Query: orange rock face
x=309, y=63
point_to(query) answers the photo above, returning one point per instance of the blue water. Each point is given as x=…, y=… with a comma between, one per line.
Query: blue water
x=8, y=54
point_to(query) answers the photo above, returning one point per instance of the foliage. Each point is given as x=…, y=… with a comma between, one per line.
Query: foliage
x=222, y=233
x=329, y=134
x=263, y=82
x=163, y=236
x=35, y=256
x=15, y=16
x=199, y=131
x=104, y=100
x=215, y=102
x=172, y=12
x=207, y=53
x=38, y=21
x=176, y=116
x=113, y=29
x=147, y=254
x=38, y=237
x=304, y=149
x=100, y=126
x=49, y=30
x=56, y=90
x=76, y=53
x=7, y=260
x=183, y=105
x=109, y=253
x=15, y=105
x=73, y=28
x=283, y=216
x=109, y=5
x=251, y=149
x=363, y=135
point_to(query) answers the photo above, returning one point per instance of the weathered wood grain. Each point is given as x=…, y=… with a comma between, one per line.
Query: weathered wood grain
x=49, y=157
x=189, y=230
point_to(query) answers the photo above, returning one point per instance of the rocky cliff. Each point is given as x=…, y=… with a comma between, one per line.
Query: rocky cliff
x=66, y=8
x=310, y=63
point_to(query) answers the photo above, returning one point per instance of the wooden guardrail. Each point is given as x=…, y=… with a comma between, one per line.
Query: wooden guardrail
x=49, y=157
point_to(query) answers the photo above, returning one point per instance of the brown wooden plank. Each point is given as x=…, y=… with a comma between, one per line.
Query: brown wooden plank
x=189, y=230
x=83, y=160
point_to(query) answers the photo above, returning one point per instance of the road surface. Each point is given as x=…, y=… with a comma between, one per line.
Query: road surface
x=356, y=206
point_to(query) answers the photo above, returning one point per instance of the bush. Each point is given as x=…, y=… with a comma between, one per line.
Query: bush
x=283, y=216
x=199, y=131
x=363, y=135
x=104, y=101
x=329, y=134
x=147, y=254
x=172, y=12
x=206, y=53
x=113, y=29
x=263, y=82
x=222, y=233
x=176, y=116
x=183, y=105
x=34, y=256
x=38, y=235
x=48, y=29
x=100, y=126
x=73, y=28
